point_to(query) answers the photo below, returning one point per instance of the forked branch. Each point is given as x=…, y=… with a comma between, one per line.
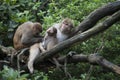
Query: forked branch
x=92, y=59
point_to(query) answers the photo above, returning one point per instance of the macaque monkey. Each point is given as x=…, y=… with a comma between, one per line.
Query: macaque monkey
x=27, y=34
x=54, y=35
x=37, y=49
x=50, y=38
x=64, y=29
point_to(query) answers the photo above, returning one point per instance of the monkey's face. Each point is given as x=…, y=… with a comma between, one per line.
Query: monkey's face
x=66, y=27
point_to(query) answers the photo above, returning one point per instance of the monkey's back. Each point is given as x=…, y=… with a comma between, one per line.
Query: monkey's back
x=22, y=29
x=52, y=43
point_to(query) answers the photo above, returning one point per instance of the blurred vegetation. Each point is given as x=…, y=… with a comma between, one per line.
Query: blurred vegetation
x=48, y=12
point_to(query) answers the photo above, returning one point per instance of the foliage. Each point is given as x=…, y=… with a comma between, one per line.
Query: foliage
x=48, y=12
x=10, y=74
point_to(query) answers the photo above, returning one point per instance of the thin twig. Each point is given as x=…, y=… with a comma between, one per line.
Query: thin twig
x=95, y=52
x=18, y=57
x=4, y=61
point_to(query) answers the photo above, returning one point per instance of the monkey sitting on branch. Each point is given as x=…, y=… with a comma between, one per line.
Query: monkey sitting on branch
x=37, y=48
x=27, y=34
x=54, y=35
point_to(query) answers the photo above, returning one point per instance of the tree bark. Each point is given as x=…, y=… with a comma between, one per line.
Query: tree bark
x=94, y=59
x=97, y=15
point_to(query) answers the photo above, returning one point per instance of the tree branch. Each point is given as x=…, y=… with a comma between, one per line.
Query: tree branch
x=96, y=15
x=7, y=50
x=93, y=59
x=89, y=22
x=81, y=37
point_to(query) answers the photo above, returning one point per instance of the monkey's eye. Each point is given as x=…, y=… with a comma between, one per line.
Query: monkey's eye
x=65, y=23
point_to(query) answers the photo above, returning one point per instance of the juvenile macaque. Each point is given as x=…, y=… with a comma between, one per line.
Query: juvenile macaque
x=50, y=39
x=27, y=34
x=37, y=49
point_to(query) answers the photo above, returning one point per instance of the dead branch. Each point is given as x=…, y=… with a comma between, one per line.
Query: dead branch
x=81, y=37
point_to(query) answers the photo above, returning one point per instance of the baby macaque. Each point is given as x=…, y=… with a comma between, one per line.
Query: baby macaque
x=37, y=49
x=50, y=38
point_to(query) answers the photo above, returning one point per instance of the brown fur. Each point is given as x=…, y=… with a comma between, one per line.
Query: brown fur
x=26, y=35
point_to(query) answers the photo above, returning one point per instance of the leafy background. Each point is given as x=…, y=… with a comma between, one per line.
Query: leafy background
x=48, y=12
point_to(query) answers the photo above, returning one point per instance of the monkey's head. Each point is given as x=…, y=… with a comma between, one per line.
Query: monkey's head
x=66, y=26
x=50, y=34
x=52, y=31
x=37, y=28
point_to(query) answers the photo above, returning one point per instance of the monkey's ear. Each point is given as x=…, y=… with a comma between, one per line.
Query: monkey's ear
x=49, y=32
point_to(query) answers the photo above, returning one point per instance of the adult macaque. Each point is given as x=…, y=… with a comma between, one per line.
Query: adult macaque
x=64, y=29
x=27, y=34
x=35, y=50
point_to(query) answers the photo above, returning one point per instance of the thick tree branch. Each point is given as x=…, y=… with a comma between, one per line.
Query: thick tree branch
x=93, y=59
x=96, y=15
x=81, y=37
